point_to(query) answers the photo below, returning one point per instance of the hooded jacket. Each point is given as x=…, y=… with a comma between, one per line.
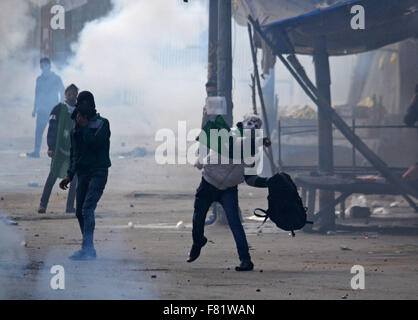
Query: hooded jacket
x=90, y=146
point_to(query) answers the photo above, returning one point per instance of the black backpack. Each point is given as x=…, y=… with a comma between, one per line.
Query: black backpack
x=285, y=207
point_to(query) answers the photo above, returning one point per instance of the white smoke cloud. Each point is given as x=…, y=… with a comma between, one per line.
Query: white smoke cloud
x=116, y=56
x=13, y=258
x=119, y=54
x=15, y=22
x=16, y=70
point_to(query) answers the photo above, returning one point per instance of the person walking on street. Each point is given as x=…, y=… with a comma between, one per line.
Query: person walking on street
x=90, y=160
x=59, y=144
x=48, y=87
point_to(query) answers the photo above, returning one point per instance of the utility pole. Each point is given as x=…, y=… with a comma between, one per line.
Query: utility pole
x=213, y=43
x=212, y=54
x=224, y=58
x=224, y=72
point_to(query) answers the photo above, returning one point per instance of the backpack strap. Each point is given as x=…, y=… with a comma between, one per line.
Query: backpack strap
x=265, y=216
x=260, y=215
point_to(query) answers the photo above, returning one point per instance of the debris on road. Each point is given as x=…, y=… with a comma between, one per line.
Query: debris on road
x=395, y=204
x=180, y=225
x=380, y=210
x=138, y=152
x=33, y=185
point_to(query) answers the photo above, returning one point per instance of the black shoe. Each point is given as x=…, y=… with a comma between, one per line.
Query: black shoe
x=195, y=251
x=70, y=210
x=41, y=210
x=246, y=265
x=84, y=254
x=32, y=155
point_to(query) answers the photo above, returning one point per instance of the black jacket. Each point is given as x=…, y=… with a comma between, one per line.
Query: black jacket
x=90, y=147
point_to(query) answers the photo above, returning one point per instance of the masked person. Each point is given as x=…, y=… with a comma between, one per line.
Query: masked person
x=219, y=183
x=48, y=87
x=59, y=145
x=90, y=143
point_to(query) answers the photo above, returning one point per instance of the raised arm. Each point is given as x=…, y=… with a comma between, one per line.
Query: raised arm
x=71, y=169
x=36, y=103
x=256, y=181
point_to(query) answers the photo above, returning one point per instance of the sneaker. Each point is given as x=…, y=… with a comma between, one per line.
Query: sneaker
x=84, y=254
x=32, y=155
x=41, y=210
x=195, y=251
x=246, y=265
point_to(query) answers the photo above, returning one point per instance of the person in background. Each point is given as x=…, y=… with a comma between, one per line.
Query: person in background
x=49, y=91
x=59, y=144
x=89, y=160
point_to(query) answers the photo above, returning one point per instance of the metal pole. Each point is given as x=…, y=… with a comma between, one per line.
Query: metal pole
x=212, y=52
x=224, y=73
x=224, y=79
x=253, y=94
x=325, y=140
x=323, y=83
x=213, y=43
x=263, y=106
x=354, y=148
x=279, y=132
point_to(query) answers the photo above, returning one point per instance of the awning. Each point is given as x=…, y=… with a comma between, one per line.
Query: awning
x=386, y=22
x=269, y=11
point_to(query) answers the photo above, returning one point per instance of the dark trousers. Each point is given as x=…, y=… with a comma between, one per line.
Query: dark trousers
x=50, y=182
x=41, y=123
x=89, y=191
x=206, y=194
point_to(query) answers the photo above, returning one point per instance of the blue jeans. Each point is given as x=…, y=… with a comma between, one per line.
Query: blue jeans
x=206, y=194
x=89, y=190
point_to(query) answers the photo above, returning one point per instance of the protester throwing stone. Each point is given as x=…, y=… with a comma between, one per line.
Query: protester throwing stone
x=219, y=183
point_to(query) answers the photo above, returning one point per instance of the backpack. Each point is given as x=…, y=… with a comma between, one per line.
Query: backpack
x=285, y=207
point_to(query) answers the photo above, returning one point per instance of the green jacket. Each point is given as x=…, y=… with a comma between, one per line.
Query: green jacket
x=90, y=147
